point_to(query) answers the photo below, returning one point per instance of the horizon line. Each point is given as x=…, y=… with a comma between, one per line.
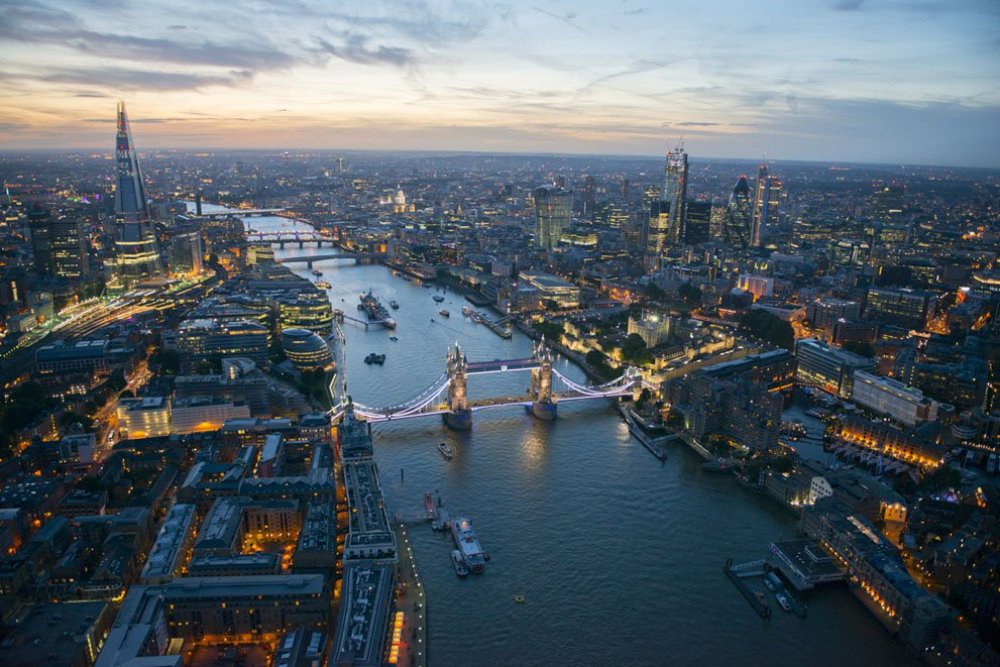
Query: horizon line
x=470, y=152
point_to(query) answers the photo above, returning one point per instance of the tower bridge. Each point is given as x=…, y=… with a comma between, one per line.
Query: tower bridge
x=448, y=395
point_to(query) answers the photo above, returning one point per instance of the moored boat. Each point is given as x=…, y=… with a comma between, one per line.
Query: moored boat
x=783, y=601
x=468, y=544
x=460, y=567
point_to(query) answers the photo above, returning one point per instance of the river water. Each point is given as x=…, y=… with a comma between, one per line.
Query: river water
x=618, y=556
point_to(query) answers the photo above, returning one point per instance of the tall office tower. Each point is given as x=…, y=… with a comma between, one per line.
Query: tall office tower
x=59, y=243
x=70, y=247
x=186, y=254
x=675, y=190
x=698, y=225
x=766, y=202
x=40, y=224
x=552, y=214
x=135, y=243
x=738, y=214
x=655, y=233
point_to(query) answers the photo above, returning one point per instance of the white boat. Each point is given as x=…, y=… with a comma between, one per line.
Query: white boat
x=468, y=544
x=783, y=601
x=447, y=452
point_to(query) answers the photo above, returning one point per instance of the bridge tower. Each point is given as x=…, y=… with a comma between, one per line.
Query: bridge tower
x=458, y=417
x=542, y=406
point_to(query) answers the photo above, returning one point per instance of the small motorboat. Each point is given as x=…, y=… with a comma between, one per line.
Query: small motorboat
x=460, y=567
x=393, y=339
x=444, y=313
x=438, y=298
x=783, y=601
x=373, y=358
x=447, y=452
x=394, y=305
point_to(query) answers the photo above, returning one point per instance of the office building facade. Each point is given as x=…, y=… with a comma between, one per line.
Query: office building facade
x=553, y=210
x=675, y=176
x=892, y=398
x=900, y=306
x=829, y=368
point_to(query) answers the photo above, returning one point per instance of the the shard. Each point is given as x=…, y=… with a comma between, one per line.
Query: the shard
x=138, y=257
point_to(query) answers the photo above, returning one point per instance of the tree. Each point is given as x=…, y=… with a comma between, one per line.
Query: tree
x=654, y=292
x=634, y=350
x=599, y=362
x=690, y=293
x=860, y=347
x=550, y=330
x=69, y=421
x=768, y=327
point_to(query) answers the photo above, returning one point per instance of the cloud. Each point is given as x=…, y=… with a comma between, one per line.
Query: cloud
x=136, y=79
x=567, y=18
x=354, y=48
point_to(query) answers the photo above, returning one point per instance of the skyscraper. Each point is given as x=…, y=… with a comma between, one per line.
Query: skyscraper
x=675, y=190
x=698, y=222
x=135, y=243
x=70, y=247
x=40, y=224
x=655, y=233
x=766, y=202
x=738, y=214
x=552, y=214
x=59, y=243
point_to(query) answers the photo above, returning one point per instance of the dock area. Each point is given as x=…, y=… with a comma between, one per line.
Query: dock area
x=698, y=448
x=737, y=573
x=412, y=602
x=655, y=443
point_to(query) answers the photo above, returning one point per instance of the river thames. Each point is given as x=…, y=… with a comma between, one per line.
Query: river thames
x=619, y=557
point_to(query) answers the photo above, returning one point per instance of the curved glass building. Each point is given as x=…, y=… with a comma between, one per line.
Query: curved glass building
x=305, y=349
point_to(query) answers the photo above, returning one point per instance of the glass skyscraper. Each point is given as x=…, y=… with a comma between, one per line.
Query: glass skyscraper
x=138, y=257
x=738, y=214
x=766, y=202
x=675, y=190
x=553, y=208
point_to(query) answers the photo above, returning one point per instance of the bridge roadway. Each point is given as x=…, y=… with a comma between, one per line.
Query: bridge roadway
x=498, y=366
x=244, y=213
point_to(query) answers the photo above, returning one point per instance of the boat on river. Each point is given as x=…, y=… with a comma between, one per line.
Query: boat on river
x=377, y=313
x=460, y=567
x=468, y=544
x=444, y=313
x=438, y=298
x=447, y=452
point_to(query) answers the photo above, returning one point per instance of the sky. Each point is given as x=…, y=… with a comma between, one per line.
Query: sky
x=889, y=81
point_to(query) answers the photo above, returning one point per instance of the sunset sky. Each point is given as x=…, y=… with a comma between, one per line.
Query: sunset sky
x=908, y=81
